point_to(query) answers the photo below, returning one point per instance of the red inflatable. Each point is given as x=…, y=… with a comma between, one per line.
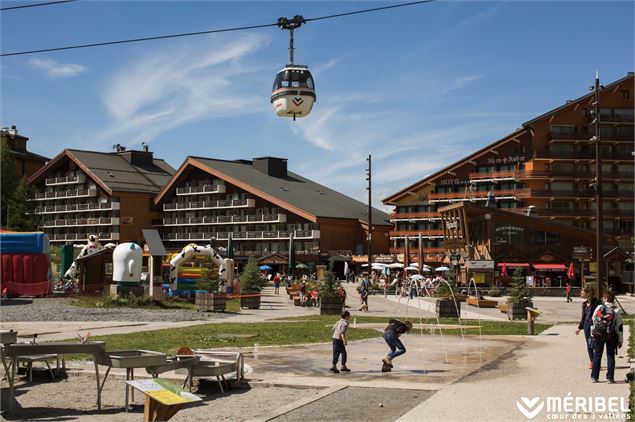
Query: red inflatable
x=25, y=274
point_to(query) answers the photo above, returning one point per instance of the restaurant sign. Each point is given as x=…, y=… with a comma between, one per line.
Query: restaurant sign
x=480, y=265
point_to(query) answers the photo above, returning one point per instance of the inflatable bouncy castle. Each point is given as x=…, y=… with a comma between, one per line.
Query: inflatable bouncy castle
x=26, y=264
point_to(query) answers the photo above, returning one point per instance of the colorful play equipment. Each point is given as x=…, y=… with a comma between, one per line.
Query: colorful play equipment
x=91, y=246
x=126, y=264
x=185, y=278
x=26, y=264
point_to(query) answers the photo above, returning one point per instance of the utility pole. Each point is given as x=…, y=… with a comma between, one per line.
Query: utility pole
x=599, y=212
x=370, y=215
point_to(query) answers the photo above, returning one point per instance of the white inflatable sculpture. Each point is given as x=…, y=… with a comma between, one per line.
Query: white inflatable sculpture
x=92, y=245
x=126, y=263
x=224, y=265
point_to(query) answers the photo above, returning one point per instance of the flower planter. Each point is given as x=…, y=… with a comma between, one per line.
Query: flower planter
x=517, y=310
x=331, y=305
x=249, y=301
x=446, y=308
x=210, y=302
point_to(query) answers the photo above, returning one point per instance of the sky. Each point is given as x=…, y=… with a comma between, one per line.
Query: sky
x=418, y=87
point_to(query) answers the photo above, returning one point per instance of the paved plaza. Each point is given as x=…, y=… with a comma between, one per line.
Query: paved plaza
x=450, y=378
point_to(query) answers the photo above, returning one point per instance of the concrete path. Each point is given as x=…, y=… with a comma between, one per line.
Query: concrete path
x=553, y=364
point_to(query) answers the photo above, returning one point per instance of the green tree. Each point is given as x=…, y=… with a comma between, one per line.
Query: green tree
x=8, y=181
x=519, y=292
x=250, y=280
x=330, y=286
x=209, y=277
x=22, y=215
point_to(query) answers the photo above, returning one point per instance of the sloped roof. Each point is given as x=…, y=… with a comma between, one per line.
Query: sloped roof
x=114, y=172
x=293, y=192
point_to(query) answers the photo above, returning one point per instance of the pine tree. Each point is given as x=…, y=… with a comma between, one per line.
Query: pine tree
x=250, y=280
x=330, y=286
x=8, y=181
x=209, y=277
x=22, y=215
x=519, y=292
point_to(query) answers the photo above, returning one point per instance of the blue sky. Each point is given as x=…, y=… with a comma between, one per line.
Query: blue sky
x=418, y=87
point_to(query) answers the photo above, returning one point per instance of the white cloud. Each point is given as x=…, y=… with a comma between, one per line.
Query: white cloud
x=54, y=69
x=162, y=91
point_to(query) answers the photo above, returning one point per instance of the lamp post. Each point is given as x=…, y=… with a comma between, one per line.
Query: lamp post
x=370, y=216
x=599, y=212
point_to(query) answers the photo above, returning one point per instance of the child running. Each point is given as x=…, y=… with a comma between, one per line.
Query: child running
x=339, y=342
x=392, y=332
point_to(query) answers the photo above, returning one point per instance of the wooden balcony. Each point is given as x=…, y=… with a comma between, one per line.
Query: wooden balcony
x=64, y=180
x=81, y=222
x=571, y=212
x=479, y=195
x=103, y=236
x=612, y=175
x=68, y=194
x=415, y=216
x=201, y=190
x=492, y=176
x=59, y=209
x=589, y=193
x=236, y=219
x=582, y=155
x=426, y=251
x=238, y=236
x=413, y=234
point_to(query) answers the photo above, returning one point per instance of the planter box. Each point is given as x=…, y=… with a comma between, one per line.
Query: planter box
x=250, y=302
x=517, y=310
x=447, y=309
x=331, y=306
x=482, y=303
x=210, y=302
x=296, y=301
x=503, y=307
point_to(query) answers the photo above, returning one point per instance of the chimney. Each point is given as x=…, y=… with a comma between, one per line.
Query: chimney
x=272, y=166
x=137, y=158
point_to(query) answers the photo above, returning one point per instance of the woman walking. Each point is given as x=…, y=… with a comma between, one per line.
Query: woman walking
x=586, y=321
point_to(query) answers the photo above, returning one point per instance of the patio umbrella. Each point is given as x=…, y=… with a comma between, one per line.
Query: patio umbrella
x=411, y=268
x=416, y=277
x=301, y=266
x=504, y=270
x=395, y=265
x=230, y=247
x=441, y=269
x=265, y=268
x=291, y=255
x=570, y=272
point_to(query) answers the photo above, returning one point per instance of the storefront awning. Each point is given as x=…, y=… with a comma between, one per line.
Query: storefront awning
x=550, y=267
x=513, y=264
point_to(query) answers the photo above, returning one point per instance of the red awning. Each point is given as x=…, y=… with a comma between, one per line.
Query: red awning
x=513, y=264
x=550, y=267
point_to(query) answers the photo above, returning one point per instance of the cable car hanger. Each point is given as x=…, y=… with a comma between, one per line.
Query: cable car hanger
x=293, y=92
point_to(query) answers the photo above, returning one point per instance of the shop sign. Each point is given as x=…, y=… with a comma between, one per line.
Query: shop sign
x=479, y=278
x=581, y=252
x=480, y=265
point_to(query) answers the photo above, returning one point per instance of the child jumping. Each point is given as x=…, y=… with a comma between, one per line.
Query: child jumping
x=339, y=342
x=392, y=332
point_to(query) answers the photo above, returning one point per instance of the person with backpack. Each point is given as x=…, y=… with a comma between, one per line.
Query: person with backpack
x=607, y=329
x=586, y=320
x=392, y=332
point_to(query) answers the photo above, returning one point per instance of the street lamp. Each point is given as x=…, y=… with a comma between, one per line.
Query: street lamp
x=599, y=212
x=370, y=215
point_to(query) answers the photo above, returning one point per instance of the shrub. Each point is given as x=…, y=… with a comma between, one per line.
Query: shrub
x=330, y=285
x=519, y=292
x=495, y=292
x=250, y=281
x=447, y=290
x=209, y=277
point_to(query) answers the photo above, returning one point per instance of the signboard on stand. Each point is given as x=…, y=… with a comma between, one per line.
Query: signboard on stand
x=163, y=391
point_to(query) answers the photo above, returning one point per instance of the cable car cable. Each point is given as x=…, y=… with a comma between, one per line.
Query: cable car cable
x=212, y=31
x=24, y=6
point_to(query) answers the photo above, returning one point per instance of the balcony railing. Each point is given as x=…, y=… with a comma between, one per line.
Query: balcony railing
x=554, y=174
x=242, y=219
x=201, y=190
x=479, y=195
x=415, y=216
x=81, y=222
x=64, y=180
x=539, y=193
x=569, y=136
x=492, y=176
x=66, y=237
x=415, y=250
x=58, y=209
x=205, y=205
x=76, y=193
x=615, y=118
x=571, y=212
x=415, y=233
x=582, y=155
x=249, y=235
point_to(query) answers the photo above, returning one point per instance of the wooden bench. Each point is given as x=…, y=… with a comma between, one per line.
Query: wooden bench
x=482, y=303
x=503, y=307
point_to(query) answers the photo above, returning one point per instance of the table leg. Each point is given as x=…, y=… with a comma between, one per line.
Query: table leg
x=14, y=364
x=97, y=380
x=132, y=379
x=127, y=386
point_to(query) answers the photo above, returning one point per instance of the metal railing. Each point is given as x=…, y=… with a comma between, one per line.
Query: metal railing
x=199, y=205
x=276, y=218
x=200, y=190
x=248, y=235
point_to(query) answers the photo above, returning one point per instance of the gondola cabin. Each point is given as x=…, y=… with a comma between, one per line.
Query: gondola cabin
x=293, y=92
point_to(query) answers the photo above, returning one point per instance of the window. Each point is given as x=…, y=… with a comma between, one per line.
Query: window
x=625, y=94
x=562, y=130
x=624, y=114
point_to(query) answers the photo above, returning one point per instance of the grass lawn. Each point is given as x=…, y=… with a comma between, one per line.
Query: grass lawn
x=469, y=326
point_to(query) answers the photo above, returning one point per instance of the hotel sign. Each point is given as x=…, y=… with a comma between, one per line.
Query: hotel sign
x=506, y=160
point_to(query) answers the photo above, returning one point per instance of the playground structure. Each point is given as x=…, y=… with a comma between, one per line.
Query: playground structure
x=26, y=264
x=91, y=246
x=186, y=279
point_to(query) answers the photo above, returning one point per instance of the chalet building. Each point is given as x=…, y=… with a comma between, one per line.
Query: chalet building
x=546, y=169
x=260, y=204
x=26, y=162
x=109, y=194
